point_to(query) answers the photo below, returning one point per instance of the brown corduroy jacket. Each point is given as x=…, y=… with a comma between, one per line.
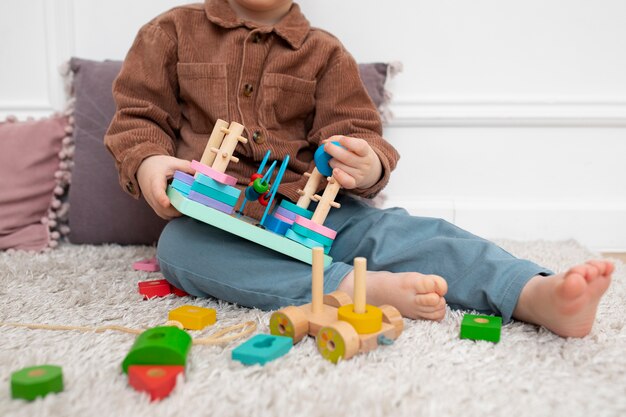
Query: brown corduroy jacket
x=290, y=85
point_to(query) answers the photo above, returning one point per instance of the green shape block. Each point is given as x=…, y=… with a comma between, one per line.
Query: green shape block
x=36, y=381
x=261, y=349
x=241, y=226
x=163, y=345
x=480, y=327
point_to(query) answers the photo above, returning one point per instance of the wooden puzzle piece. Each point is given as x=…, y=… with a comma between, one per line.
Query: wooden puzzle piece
x=193, y=317
x=156, y=380
x=148, y=265
x=261, y=349
x=481, y=327
x=161, y=345
x=36, y=381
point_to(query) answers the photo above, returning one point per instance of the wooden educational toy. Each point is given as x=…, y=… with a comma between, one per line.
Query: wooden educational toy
x=480, y=327
x=162, y=345
x=261, y=349
x=36, y=381
x=211, y=197
x=156, y=380
x=147, y=265
x=341, y=328
x=158, y=288
x=193, y=317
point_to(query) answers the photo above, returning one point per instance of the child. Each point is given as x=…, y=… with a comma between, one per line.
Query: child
x=258, y=62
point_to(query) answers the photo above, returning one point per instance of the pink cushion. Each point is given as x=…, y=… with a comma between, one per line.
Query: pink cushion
x=29, y=162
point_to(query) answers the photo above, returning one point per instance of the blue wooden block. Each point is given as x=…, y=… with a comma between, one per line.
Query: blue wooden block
x=181, y=186
x=214, y=194
x=288, y=205
x=309, y=243
x=276, y=225
x=322, y=160
x=261, y=349
x=224, y=188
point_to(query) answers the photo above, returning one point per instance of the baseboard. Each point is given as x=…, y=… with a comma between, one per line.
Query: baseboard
x=599, y=226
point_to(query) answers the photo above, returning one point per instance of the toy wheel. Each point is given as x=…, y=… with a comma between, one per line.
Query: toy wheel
x=392, y=316
x=337, y=299
x=291, y=322
x=337, y=341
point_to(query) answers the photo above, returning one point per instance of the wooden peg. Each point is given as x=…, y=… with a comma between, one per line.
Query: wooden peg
x=326, y=201
x=228, y=146
x=215, y=141
x=360, y=271
x=317, y=286
x=309, y=189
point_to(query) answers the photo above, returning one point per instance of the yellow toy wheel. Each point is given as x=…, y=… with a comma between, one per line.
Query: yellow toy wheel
x=337, y=341
x=392, y=316
x=291, y=322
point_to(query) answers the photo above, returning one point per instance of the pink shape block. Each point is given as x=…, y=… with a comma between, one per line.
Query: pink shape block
x=322, y=230
x=148, y=265
x=210, y=172
x=283, y=218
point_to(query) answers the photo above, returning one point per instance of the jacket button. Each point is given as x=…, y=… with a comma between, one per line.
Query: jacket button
x=130, y=187
x=258, y=137
x=247, y=90
x=256, y=38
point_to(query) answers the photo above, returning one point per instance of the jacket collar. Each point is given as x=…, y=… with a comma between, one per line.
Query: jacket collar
x=293, y=27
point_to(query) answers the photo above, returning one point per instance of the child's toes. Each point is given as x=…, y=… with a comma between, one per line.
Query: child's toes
x=427, y=300
x=431, y=283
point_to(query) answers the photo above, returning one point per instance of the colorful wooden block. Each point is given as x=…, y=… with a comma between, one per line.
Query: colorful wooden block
x=184, y=177
x=223, y=188
x=155, y=288
x=193, y=317
x=285, y=213
x=288, y=205
x=156, y=380
x=238, y=225
x=181, y=186
x=261, y=349
x=276, y=225
x=283, y=218
x=481, y=327
x=178, y=292
x=322, y=230
x=213, y=193
x=36, y=381
x=162, y=345
x=148, y=265
x=209, y=202
x=303, y=231
x=216, y=175
x=309, y=243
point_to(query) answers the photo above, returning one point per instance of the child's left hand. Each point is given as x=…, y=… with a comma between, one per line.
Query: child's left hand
x=357, y=166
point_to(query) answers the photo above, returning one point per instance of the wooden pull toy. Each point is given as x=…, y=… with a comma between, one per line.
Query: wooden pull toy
x=340, y=328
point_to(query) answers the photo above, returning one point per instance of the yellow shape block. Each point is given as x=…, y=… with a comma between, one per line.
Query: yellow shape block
x=369, y=322
x=193, y=317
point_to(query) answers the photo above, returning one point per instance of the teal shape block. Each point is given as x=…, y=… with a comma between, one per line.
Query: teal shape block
x=309, y=243
x=288, y=205
x=312, y=234
x=181, y=186
x=261, y=349
x=480, y=327
x=213, y=193
x=218, y=186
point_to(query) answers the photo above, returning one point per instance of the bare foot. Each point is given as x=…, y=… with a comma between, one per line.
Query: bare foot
x=565, y=303
x=415, y=295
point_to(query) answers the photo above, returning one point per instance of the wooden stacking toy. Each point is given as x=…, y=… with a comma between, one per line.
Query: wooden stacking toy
x=341, y=328
x=36, y=381
x=193, y=317
x=211, y=197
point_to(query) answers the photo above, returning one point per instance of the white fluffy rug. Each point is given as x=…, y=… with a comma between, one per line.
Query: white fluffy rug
x=429, y=371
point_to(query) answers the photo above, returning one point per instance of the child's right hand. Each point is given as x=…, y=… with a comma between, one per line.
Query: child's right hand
x=152, y=176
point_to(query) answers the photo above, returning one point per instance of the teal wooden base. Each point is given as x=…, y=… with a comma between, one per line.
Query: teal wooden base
x=242, y=226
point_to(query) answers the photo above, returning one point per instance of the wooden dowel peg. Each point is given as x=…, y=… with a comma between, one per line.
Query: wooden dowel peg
x=360, y=273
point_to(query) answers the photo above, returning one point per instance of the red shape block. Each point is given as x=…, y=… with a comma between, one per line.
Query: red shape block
x=179, y=292
x=157, y=380
x=155, y=288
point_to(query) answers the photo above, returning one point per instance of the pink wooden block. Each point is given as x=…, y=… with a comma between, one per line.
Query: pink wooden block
x=283, y=218
x=322, y=230
x=210, y=172
x=148, y=265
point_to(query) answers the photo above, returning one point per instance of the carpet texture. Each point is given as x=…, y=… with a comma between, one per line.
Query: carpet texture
x=429, y=371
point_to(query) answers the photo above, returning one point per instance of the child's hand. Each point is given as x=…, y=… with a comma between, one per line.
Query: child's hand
x=357, y=166
x=152, y=176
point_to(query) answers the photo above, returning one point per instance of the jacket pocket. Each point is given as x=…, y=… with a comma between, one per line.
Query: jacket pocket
x=203, y=93
x=285, y=100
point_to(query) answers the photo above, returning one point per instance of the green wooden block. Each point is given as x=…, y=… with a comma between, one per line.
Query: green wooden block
x=480, y=327
x=243, y=227
x=261, y=349
x=162, y=345
x=36, y=381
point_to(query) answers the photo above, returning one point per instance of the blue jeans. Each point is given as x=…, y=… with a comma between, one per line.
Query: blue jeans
x=207, y=261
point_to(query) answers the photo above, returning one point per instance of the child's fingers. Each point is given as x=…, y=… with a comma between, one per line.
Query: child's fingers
x=355, y=145
x=345, y=180
x=342, y=155
x=177, y=164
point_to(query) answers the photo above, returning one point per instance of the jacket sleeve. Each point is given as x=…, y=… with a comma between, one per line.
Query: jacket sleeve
x=343, y=107
x=147, y=117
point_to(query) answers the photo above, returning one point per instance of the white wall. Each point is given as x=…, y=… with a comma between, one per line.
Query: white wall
x=510, y=115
